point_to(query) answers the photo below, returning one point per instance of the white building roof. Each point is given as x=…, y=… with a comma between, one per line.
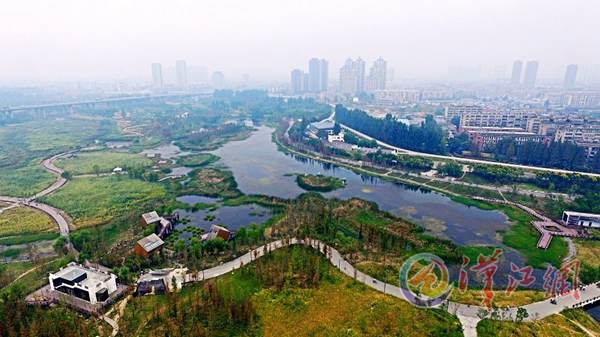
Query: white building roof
x=94, y=278
x=151, y=217
x=582, y=214
x=324, y=124
x=150, y=242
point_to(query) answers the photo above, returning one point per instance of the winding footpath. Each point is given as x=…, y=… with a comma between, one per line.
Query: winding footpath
x=469, y=315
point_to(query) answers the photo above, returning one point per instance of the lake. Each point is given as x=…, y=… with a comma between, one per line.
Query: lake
x=264, y=172
x=267, y=171
x=165, y=151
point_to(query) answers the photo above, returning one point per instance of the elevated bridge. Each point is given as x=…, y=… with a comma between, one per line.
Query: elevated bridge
x=94, y=102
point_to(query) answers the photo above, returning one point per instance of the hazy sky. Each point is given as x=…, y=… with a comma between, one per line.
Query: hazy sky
x=118, y=39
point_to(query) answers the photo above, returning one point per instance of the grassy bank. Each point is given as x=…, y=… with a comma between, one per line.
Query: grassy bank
x=91, y=201
x=522, y=236
x=319, y=183
x=562, y=325
x=197, y=160
x=100, y=161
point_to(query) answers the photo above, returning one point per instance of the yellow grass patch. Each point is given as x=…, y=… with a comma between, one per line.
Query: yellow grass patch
x=347, y=309
x=24, y=220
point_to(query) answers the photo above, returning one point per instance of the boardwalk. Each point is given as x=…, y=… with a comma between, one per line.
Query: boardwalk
x=547, y=227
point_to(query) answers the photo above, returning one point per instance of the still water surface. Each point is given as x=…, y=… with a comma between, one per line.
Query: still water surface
x=264, y=172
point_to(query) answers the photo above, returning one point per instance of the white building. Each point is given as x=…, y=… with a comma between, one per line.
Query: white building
x=397, y=96
x=336, y=138
x=581, y=219
x=88, y=284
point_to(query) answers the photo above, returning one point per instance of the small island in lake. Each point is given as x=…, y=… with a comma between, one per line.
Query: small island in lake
x=319, y=183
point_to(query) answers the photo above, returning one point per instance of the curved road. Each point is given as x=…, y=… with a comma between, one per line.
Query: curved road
x=54, y=213
x=469, y=315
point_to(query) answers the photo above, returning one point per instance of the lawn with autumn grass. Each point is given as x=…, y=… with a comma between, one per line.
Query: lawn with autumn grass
x=24, y=220
x=97, y=200
x=569, y=323
x=588, y=251
x=101, y=162
x=291, y=292
x=501, y=298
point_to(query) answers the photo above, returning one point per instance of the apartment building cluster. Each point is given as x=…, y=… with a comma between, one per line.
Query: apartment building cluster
x=354, y=80
x=315, y=81
x=574, y=99
x=409, y=96
x=487, y=125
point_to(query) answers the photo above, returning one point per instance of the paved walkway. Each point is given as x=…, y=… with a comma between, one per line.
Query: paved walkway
x=466, y=160
x=8, y=207
x=469, y=315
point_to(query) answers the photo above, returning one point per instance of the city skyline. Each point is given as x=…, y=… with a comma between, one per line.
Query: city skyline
x=76, y=44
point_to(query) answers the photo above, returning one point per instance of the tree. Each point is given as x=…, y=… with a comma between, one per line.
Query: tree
x=337, y=128
x=427, y=137
x=96, y=169
x=521, y=314
x=179, y=246
x=451, y=169
x=456, y=121
x=195, y=247
x=59, y=245
x=215, y=245
x=459, y=143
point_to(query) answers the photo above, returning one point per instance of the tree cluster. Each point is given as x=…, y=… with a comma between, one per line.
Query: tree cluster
x=427, y=137
x=553, y=154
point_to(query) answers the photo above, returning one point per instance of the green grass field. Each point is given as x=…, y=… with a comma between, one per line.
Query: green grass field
x=24, y=220
x=22, y=147
x=28, y=238
x=92, y=201
x=36, y=278
x=105, y=161
x=61, y=133
x=25, y=141
x=24, y=181
x=523, y=237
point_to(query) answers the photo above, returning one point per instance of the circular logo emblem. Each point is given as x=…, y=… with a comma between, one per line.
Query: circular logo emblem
x=424, y=280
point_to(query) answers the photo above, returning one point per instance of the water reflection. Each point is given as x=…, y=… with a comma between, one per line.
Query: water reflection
x=232, y=217
x=264, y=172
